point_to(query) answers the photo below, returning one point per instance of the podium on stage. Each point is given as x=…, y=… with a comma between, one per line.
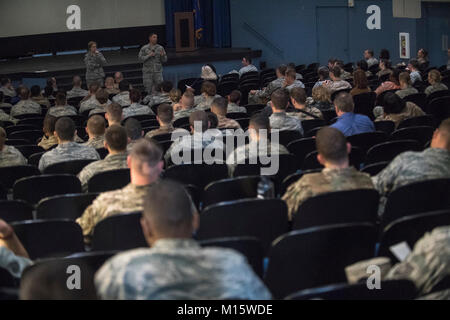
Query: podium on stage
x=184, y=32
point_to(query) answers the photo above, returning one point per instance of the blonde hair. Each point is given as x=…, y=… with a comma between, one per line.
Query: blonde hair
x=435, y=75
x=321, y=94
x=175, y=95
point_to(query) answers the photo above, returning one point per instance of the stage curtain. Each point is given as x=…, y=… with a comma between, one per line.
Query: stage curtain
x=216, y=21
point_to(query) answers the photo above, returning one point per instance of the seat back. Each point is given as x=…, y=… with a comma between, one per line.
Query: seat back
x=119, y=232
x=423, y=196
x=199, y=175
x=30, y=135
x=263, y=219
x=33, y=189
x=375, y=168
x=318, y=256
x=15, y=210
x=301, y=148
x=426, y=120
x=67, y=167
x=422, y=134
x=230, y=189
x=250, y=247
x=439, y=109
x=109, y=180
x=316, y=211
x=385, y=126
x=420, y=99
x=49, y=238
x=367, y=140
x=9, y=175
x=364, y=103
x=68, y=206
x=387, y=151
x=308, y=125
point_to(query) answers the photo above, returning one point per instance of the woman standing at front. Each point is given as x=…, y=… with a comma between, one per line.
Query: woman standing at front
x=94, y=61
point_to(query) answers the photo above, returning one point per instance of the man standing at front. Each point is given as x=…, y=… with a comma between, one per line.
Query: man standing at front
x=153, y=56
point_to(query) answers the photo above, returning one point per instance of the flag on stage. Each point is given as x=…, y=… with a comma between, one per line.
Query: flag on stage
x=198, y=20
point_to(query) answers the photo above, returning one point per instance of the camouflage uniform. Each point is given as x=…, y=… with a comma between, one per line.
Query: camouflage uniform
x=152, y=70
x=136, y=109
x=233, y=107
x=329, y=180
x=162, y=130
x=111, y=162
x=12, y=263
x=88, y=104
x=126, y=200
x=47, y=143
x=131, y=145
x=203, y=103
x=372, y=61
x=184, y=113
x=179, y=269
x=67, y=152
x=428, y=263
x=153, y=100
x=303, y=116
x=96, y=142
x=62, y=111
x=281, y=121
x=194, y=142
x=411, y=167
x=77, y=92
x=243, y=153
x=345, y=75
x=403, y=93
x=225, y=123
x=337, y=85
x=249, y=68
x=8, y=92
x=94, y=68
x=435, y=88
x=411, y=110
x=122, y=98
x=6, y=117
x=296, y=84
x=41, y=100
x=98, y=109
x=10, y=156
x=262, y=96
x=25, y=107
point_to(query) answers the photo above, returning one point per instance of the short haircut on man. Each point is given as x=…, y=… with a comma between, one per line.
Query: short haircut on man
x=393, y=104
x=323, y=72
x=77, y=81
x=299, y=95
x=166, y=86
x=336, y=71
x=116, y=138
x=260, y=122
x=102, y=96
x=94, y=87
x=134, y=129
x=209, y=88
x=414, y=63
x=344, y=102
x=35, y=91
x=282, y=69
x=221, y=105
x=199, y=117
x=405, y=77
x=124, y=85
x=363, y=65
x=114, y=111
x=235, y=96
x=280, y=99
x=96, y=125
x=165, y=113
x=370, y=52
x=444, y=131
x=65, y=128
x=24, y=93
x=147, y=152
x=291, y=74
x=60, y=98
x=213, y=120
x=248, y=59
x=168, y=207
x=331, y=144
x=135, y=95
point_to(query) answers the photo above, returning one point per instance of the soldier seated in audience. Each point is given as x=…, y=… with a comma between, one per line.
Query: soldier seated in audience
x=116, y=143
x=175, y=96
x=123, y=98
x=333, y=151
x=200, y=138
x=89, y=102
x=336, y=83
x=114, y=114
x=350, y=123
x=3, y=115
x=203, y=101
x=363, y=66
x=406, y=88
x=7, y=88
x=9, y=156
x=49, y=139
x=413, y=67
x=110, y=86
x=396, y=109
x=263, y=96
x=13, y=256
x=164, y=117
x=25, y=105
x=145, y=166
x=185, y=107
x=290, y=80
x=67, y=149
x=392, y=84
x=434, y=78
x=176, y=266
x=409, y=167
x=324, y=76
x=280, y=120
x=37, y=96
x=118, y=77
x=96, y=131
x=260, y=143
x=320, y=99
x=234, y=99
x=385, y=68
x=247, y=66
x=369, y=58
x=303, y=111
x=345, y=75
x=102, y=101
x=161, y=97
x=360, y=83
x=76, y=90
x=134, y=132
x=136, y=109
x=61, y=109
x=219, y=107
x=298, y=76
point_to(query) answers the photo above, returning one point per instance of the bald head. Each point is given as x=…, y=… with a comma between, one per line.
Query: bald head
x=441, y=137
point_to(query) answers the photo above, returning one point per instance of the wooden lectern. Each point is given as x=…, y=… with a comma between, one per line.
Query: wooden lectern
x=184, y=32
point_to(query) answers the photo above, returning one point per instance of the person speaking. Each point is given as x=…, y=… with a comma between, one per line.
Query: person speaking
x=153, y=56
x=94, y=61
